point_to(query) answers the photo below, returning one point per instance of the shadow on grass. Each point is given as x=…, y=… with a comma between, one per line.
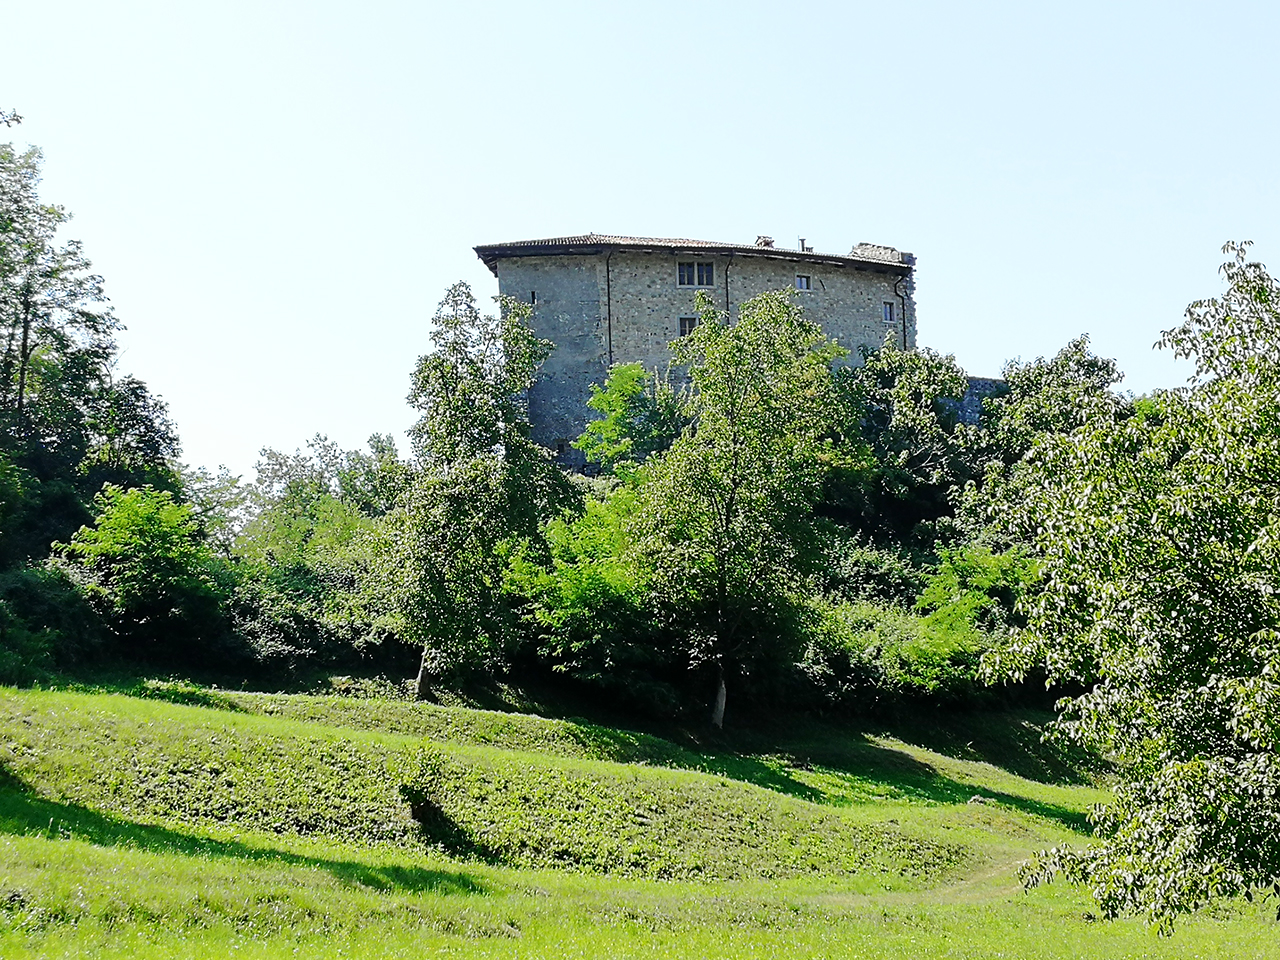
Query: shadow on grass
x=861, y=758
x=765, y=763
x=24, y=813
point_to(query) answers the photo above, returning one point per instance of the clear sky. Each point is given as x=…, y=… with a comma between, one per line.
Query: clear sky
x=278, y=193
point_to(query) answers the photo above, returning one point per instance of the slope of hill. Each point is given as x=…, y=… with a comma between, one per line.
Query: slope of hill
x=264, y=824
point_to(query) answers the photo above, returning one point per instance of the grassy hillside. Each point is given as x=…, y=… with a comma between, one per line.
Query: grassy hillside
x=264, y=824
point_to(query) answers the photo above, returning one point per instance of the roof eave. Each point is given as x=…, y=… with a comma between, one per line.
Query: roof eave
x=490, y=254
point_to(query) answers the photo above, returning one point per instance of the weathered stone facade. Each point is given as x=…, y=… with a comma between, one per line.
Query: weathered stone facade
x=604, y=300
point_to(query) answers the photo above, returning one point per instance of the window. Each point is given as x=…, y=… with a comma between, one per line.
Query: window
x=533, y=298
x=695, y=274
x=803, y=282
x=888, y=312
x=687, y=324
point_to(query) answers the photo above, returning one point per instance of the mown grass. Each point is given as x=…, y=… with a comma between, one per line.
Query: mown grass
x=136, y=827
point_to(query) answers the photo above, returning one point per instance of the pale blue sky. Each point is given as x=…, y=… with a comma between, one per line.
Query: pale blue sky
x=278, y=193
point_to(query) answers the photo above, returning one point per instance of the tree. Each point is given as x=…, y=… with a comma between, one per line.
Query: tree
x=481, y=487
x=640, y=414
x=52, y=306
x=899, y=413
x=725, y=516
x=1055, y=395
x=145, y=565
x=1157, y=542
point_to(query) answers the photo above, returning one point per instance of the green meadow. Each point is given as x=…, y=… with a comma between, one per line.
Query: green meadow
x=177, y=821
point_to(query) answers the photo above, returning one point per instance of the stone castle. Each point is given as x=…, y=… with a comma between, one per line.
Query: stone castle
x=607, y=299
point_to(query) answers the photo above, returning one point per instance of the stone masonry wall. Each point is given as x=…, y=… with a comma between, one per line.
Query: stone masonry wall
x=629, y=305
x=568, y=310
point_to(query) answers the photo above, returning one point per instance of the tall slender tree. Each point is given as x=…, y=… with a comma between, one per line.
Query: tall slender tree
x=482, y=486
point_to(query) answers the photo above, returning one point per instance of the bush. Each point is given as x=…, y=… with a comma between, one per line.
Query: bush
x=147, y=570
x=45, y=624
x=26, y=656
x=861, y=571
x=977, y=589
x=861, y=657
x=589, y=607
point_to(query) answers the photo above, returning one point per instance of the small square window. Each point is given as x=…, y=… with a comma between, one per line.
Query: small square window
x=888, y=312
x=803, y=282
x=706, y=274
x=687, y=324
x=685, y=274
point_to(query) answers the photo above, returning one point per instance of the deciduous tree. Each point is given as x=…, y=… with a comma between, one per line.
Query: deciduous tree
x=1158, y=542
x=725, y=516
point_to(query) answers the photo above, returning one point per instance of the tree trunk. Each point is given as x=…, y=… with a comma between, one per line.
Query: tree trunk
x=420, y=685
x=24, y=349
x=717, y=712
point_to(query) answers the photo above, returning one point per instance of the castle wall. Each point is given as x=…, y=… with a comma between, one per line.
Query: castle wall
x=567, y=310
x=626, y=307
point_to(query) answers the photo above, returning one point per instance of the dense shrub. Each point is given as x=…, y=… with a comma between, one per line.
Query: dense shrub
x=862, y=657
x=147, y=569
x=48, y=623
x=589, y=609
x=862, y=571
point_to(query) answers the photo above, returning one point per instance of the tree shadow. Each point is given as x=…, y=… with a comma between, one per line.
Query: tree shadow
x=767, y=761
x=25, y=813
x=866, y=760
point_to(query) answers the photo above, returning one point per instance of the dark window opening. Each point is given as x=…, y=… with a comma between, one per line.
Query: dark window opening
x=685, y=275
x=687, y=324
x=533, y=297
x=888, y=312
x=803, y=282
x=706, y=274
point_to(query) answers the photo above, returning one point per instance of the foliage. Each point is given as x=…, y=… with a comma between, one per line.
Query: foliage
x=865, y=658
x=858, y=570
x=302, y=536
x=1158, y=556
x=1053, y=396
x=66, y=423
x=146, y=568
x=901, y=407
x=640, y=414
x=481, y=491
x=724, y=519
x=974, y=588
x=590, y=608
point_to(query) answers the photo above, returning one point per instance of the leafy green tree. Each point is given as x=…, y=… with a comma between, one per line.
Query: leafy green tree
x=301, y=536
x=1156, y=540
x=725, y=517
x=65, y=422
x=52, y=306
x=1043, y=396
x=480, y=492
x=897, y=424
x=640, y=414
x=145, y=565
x=133, y=441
